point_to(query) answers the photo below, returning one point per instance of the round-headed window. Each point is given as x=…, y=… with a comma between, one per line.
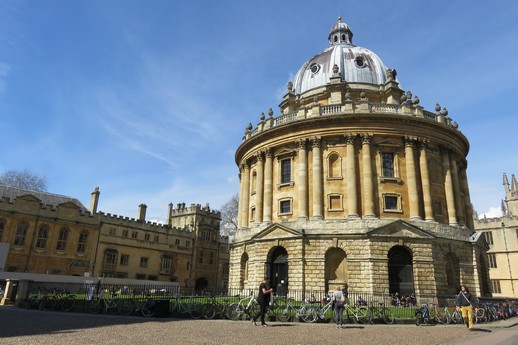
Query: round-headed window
x=314, y=68
x=359, y=61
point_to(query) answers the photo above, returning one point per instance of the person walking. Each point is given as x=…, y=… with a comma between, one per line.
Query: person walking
x=464, y=300
x=263, y=299
x=339, y=302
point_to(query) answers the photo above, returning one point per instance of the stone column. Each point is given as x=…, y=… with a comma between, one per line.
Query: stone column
x=246, y=195
x=241, y=194
x=411, y=180
x=302, y=180
x=467, y=199
x=259, y=189
x=317, y=179
x=448, y=187
x=368, y=194
x=352, y=193
x=268, y=186
x=425, y=181
x=459, y=208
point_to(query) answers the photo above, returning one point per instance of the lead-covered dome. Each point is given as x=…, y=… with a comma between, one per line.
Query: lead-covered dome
x=356, y=64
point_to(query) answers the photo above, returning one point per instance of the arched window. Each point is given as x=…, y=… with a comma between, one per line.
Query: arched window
x=334, y=165
x=43, y=234
x=452, y=273
x=110, y=260
x=62, y=239
x=278, y=267
x=400, y=270
x=83, y=240
x=254, y=181
x=336, y=270
x=21, y=233
x=243, y=276
x=165, y=264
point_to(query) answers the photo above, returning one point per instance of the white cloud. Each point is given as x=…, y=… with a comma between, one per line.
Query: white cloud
x=493, y=212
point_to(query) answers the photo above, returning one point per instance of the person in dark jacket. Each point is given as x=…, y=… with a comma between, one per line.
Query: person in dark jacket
x=263, y=299
x=464, y=299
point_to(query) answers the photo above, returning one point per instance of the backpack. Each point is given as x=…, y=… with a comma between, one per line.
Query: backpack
x=342, y=300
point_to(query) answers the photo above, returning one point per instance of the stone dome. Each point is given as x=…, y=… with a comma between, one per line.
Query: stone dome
x=356, y=64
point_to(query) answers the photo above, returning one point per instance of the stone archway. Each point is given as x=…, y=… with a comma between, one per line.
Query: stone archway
x=278, y=269
x=336, y=269
x=452, y=273
x=400, y=270
x=243, y=275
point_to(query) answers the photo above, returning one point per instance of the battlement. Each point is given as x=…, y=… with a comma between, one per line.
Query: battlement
x=128, y=221
x=10, y=204
x=181, y=210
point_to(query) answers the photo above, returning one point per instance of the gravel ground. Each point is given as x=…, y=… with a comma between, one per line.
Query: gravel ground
x=20, y=326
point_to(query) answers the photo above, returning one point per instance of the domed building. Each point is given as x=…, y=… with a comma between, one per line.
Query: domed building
x=355, y=182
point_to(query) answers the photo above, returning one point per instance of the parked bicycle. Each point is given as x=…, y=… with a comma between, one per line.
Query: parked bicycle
x=381, y=313
x=246, y=306
x=58, y=300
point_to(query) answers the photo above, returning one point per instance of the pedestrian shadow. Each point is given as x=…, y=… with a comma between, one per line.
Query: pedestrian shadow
x=482, y=330
x=281, y=325
x=353, y=327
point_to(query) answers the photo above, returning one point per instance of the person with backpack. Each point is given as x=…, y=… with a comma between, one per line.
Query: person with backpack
x=339, y=306
x=263, y=299
x=464, y=300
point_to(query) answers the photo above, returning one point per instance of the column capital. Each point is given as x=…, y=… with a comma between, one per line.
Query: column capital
x=315, y=141
x=366, y=138
x=423, y=143
x=244, y=166
x=409, y=141
x=259, y=156
x=350, y=138
x=301, y=144
x=268, y=152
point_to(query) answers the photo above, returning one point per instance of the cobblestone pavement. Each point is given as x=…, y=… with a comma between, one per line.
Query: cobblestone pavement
x=20, y=326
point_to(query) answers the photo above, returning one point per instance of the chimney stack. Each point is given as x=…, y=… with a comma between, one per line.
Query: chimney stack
x=94, y=200
x=141, y=217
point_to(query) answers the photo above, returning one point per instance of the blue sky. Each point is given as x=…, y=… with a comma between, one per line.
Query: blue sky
x=149, y=99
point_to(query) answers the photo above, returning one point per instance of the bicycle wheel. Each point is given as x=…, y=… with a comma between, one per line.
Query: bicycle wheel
x=387, y=316
x=286, y=314
x=95, y=306
x=32, y=302
x=148, y=308
x=125, y=307
x=418, y=320
x=311, y=315
x=362, y=315
x=48, y=304
x=208, y=311
x=235, y=312
x=195, y=310
x=68, y=303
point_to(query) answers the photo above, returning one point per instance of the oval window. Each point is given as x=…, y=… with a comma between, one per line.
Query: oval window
x=359, y=61
x=314, y=68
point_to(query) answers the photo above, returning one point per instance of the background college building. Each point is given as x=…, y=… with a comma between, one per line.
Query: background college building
x=54, y=234
x=355, y=182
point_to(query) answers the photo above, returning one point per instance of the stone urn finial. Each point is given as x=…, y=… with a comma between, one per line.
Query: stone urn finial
x=262, y=116
x=444, y=112
x=290, y=86
x=437, y=108
x=416, y=100
x=270, y=112
x=335, y=69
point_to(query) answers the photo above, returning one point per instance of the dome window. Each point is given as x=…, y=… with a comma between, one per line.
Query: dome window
x=314, y=68
x=343, y=37
x=360, y=62
x=335, y=38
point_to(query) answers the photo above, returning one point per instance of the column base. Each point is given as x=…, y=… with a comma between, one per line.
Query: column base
x=370, y=216
x=353, y=216
x=317, y=217
x=416, y=218
x=429, y=220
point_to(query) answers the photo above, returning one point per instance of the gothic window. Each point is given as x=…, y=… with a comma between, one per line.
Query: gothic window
x=165, y=263
x=21, y=233
x=147, y=237
x=41, y=240
x=112, y=231
x=488, y=235
x=134, y=235
x=211, y=258
x=124, y=233
x=83, y=240
x=334, y=166
x=200, y=257
x=110, y=260
x=144, y=262
x=124, y=260
x=62, y=239
x=495, y=284
x=492, y=260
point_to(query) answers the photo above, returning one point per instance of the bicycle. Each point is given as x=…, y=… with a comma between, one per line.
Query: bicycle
x=318, y=312
x=60, y=300
x=191, y=306
x=422, y=316
x=34, y=300
x=359, y=312
x=246, y=306
x=215, y=308
x=383, y=313
x=287, y=310
x=480, y=315
x=440, y=316
x=109, y=304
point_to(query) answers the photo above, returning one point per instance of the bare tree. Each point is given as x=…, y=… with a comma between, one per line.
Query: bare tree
x=24, y=179
x=229, y=213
